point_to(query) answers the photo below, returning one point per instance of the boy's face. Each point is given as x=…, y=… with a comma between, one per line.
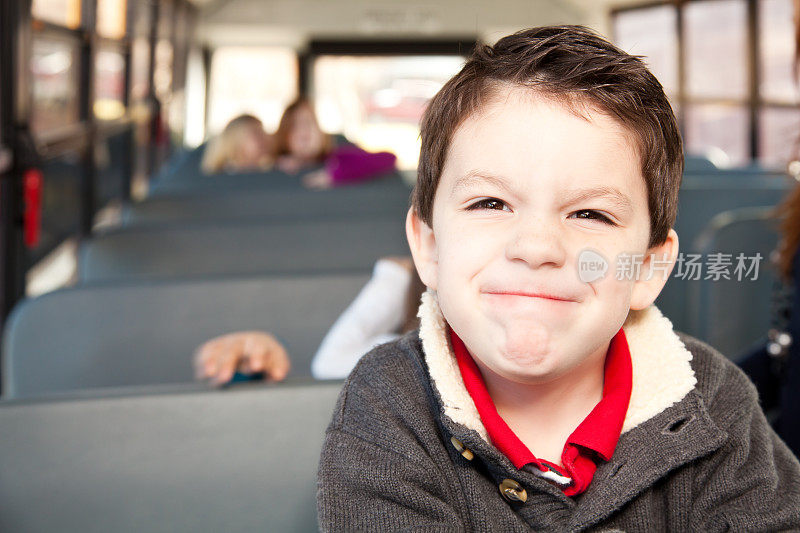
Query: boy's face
x=528, y=186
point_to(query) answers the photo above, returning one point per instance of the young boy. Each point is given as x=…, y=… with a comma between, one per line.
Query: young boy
x=543, y=390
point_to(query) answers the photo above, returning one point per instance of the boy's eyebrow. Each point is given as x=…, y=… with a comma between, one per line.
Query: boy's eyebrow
x=478, y=176
x=614, y=195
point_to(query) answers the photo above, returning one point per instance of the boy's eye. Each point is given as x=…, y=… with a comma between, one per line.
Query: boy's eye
x=591, y=214
x=489, y=203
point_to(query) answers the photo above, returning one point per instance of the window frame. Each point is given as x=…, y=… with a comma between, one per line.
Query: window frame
x=753, y=101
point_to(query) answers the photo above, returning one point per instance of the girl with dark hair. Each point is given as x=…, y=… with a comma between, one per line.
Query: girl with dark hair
x=301, y=145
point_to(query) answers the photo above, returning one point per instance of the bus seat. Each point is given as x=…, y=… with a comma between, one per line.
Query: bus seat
x=697, y=163
x=388, y=198
x=239, y=460
x=185, y=164
x=212, y=183
x=732, y=315
x=140, y=334
x=701, y=198
x=159, y=252
x=215, y=183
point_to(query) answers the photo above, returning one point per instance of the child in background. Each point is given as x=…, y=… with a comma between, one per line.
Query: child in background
x=300, y=145
x=384, y=309
x=543, y=392
x=242, y=146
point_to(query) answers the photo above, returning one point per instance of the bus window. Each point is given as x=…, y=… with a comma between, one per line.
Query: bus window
x=54, y=69
x=778, y=127
x=162, y=73
x=377, y=101
x=109, y=84
x=61, y=12
x=111, y=18
x=140, y=52
x=714, y=30
x=776, y=52
x=259, y=81
x=718, y=131
x=779, y=119
x=140, y=68
x=716, y=113
x=653, y=33
x=162, y=69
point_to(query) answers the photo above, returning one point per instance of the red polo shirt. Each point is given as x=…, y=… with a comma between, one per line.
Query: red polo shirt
x=593, y=440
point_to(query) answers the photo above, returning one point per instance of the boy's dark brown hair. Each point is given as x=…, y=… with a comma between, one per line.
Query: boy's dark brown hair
x=571, y=65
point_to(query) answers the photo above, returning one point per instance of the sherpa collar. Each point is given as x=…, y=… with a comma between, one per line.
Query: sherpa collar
x=662, y=371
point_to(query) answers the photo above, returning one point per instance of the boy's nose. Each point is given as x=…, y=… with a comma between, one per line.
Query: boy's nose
x=537, y=243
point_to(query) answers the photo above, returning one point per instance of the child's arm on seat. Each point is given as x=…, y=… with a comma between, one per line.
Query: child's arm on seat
x=348, y=165
x=248, y=352
x=374, y=317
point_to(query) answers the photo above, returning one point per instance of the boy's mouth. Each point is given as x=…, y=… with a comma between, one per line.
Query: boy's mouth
x=530, y=294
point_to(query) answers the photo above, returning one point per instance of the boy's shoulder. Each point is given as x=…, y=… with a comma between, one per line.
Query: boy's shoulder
x=723, y=387
x=391, y=366
x=388, y=387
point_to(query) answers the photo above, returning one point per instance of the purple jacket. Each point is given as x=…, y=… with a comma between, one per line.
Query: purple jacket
x=350, y=164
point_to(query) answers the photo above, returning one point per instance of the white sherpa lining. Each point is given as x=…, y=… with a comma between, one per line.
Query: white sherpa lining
x=662, y=371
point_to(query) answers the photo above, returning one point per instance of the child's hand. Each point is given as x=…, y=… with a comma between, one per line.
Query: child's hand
x=248, y=352
x=319, y=179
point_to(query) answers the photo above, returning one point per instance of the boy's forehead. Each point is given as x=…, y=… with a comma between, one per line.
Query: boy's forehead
x=521, y=135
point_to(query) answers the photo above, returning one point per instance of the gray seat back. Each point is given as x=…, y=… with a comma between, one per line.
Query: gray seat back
x=234, y=461
x=254, y=249
x=140, y=334
x=390, y=199
x=731, y=314
x=704, y=195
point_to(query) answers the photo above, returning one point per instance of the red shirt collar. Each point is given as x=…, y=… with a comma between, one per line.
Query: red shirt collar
x=597, y=434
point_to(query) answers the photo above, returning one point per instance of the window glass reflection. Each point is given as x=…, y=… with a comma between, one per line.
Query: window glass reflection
x=162, y=71
x=140, y=68
x=652, y=33
x=715, y=48
x=259, y=81
x=61, y=12
x=111, y=18
x=54, y=83
x=776, y=51
x=718, y=132
x=109, y=85
x=778, y=136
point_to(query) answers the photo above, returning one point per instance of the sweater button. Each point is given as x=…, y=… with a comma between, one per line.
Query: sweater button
x=513, y=491
x=463, y=450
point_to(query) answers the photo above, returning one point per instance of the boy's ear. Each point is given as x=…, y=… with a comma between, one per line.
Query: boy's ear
x=423, y=248
x=656, y=269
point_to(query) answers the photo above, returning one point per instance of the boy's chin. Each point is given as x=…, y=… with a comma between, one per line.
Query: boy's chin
x=537, y=372
x=525, y=343
x=529, y=366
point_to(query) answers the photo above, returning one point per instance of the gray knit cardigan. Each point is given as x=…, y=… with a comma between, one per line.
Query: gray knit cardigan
x=406, y=449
